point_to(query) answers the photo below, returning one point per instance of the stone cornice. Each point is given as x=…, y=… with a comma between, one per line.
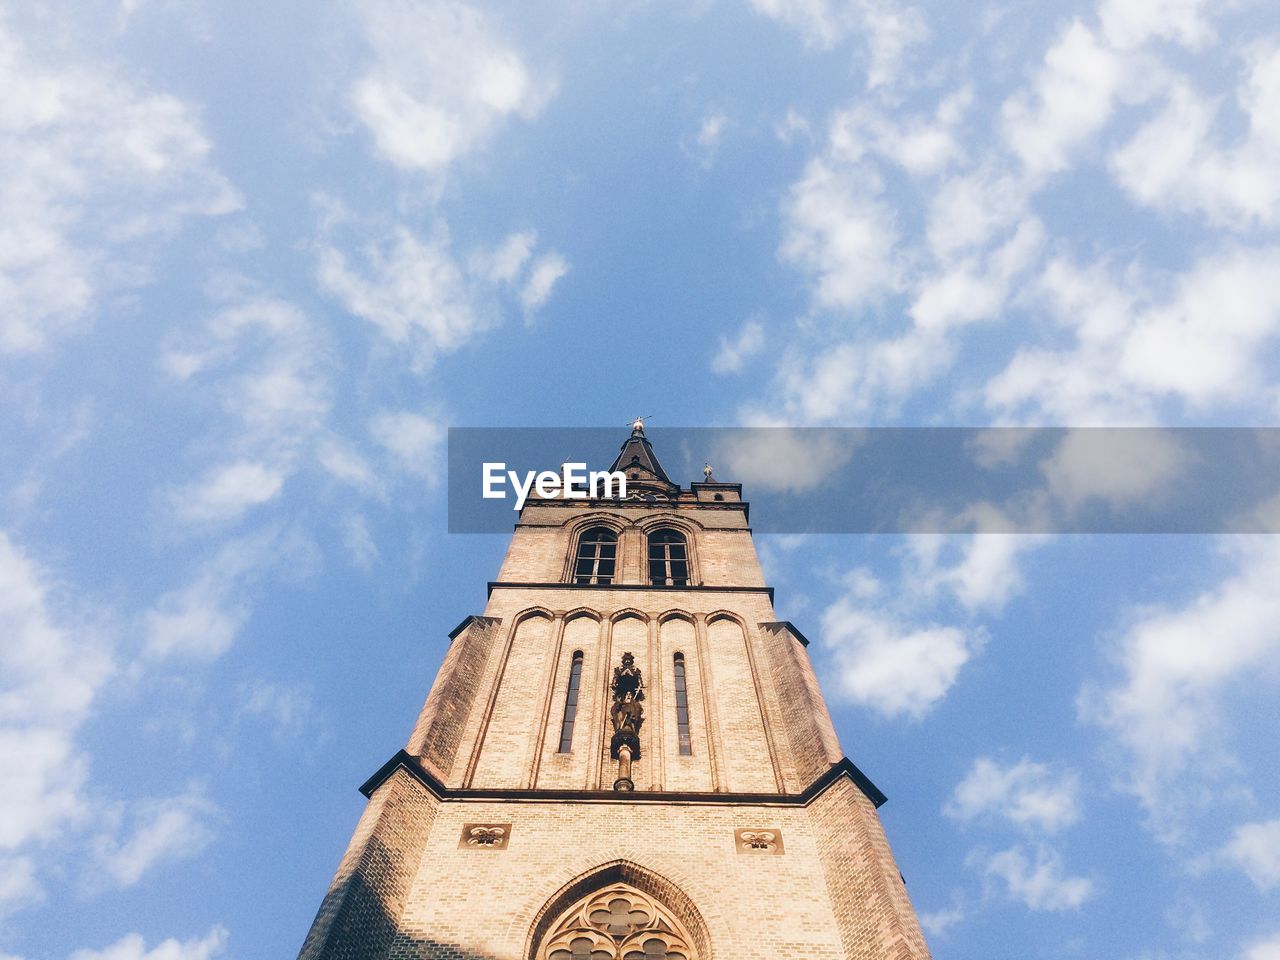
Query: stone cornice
x=414, y=767
x=556, y=585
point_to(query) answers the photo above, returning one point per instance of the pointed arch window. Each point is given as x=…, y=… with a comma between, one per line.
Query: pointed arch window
x=617, y=923
x=668, y=558
x=571, y=704
x=597, y=556
x=682, y=708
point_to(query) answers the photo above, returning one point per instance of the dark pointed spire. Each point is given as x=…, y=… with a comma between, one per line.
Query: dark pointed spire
x=637, y=457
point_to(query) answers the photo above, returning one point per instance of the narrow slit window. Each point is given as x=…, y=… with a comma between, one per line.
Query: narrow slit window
x=682, y=708
x=596, y=557
x=668, y=559
x=571, y=704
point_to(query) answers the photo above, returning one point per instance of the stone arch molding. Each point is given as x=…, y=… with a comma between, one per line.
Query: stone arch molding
x=618, y=911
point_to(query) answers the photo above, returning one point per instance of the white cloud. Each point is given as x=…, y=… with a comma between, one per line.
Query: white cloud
x=1173, y=164
x=938, y=922
x=92, y=165
x=970, y=290
x=706, y=143
x=847, y=381
x=133, y=947
x=890, y=28
x=779, y=458
x=980, y=570
x=1030, y=795
x=414, y=442
x=19, y=885
x=546, y=270
x=922, y=145
x=361, y=546
x=1165, y=709
x=1198, y=344
x=1071, y=99
x=839, y=228
x=1116, y=467
x=411, y=289
x=894, y=668
x=441, y=83
x=1255, y=849
x=1038, y=880
x=161, y=831
x=227, y=493
x=202, y=618
x=50, y=674
x=1129, y=23
x=287, y=707
x=735, y=352
x=267, y=367
x=1268, y=949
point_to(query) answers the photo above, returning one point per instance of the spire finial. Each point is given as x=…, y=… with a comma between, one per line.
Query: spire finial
x=706, y=472
x=637, y=426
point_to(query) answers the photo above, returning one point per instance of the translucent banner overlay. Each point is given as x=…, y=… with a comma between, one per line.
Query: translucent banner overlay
x=913, y=479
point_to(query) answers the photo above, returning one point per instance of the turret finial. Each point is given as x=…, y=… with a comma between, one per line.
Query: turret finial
x=706, y=472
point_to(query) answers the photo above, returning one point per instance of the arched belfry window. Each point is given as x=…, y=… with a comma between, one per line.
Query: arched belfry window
x=668, y=558
x=597, y=556
x=617, y=923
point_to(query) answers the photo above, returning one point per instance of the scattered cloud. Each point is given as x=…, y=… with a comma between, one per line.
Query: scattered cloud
x=1031, y=796
x=133, y=947
x=839, y=228
x=441, y=82
x=202, y=618
x=94, y=165
x=227, y=493
x=890, y=29
x=735, y=352
x=1070, y=100
x=1268, y=949
x=1255, y=849
x=783, y=459
x=542, y=278
x=1173, y=163
x=19, y=885
x=895, y=668
x=287, y=707
x=413, y=441
x=159, y=832
x=52, y=668
x=1164, y=711
x=1134, y=348
x=417, y=294
x=706, y=143
x=1035, y=877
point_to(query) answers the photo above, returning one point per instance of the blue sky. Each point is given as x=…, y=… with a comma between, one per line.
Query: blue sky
x=255, y=259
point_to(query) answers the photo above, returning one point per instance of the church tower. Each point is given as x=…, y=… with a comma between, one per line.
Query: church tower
x=625, y=757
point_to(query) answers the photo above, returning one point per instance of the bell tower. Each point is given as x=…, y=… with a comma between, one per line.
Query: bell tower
x=626, y=756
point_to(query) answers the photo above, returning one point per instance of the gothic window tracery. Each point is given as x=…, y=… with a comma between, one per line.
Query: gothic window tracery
x=596, y=557
x=668, y=558
x=617, y=923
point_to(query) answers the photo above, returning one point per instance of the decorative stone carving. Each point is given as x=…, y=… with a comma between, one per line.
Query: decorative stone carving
x=627, y=716
x=485, y=836
x=758, y=841
x=617, y=923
